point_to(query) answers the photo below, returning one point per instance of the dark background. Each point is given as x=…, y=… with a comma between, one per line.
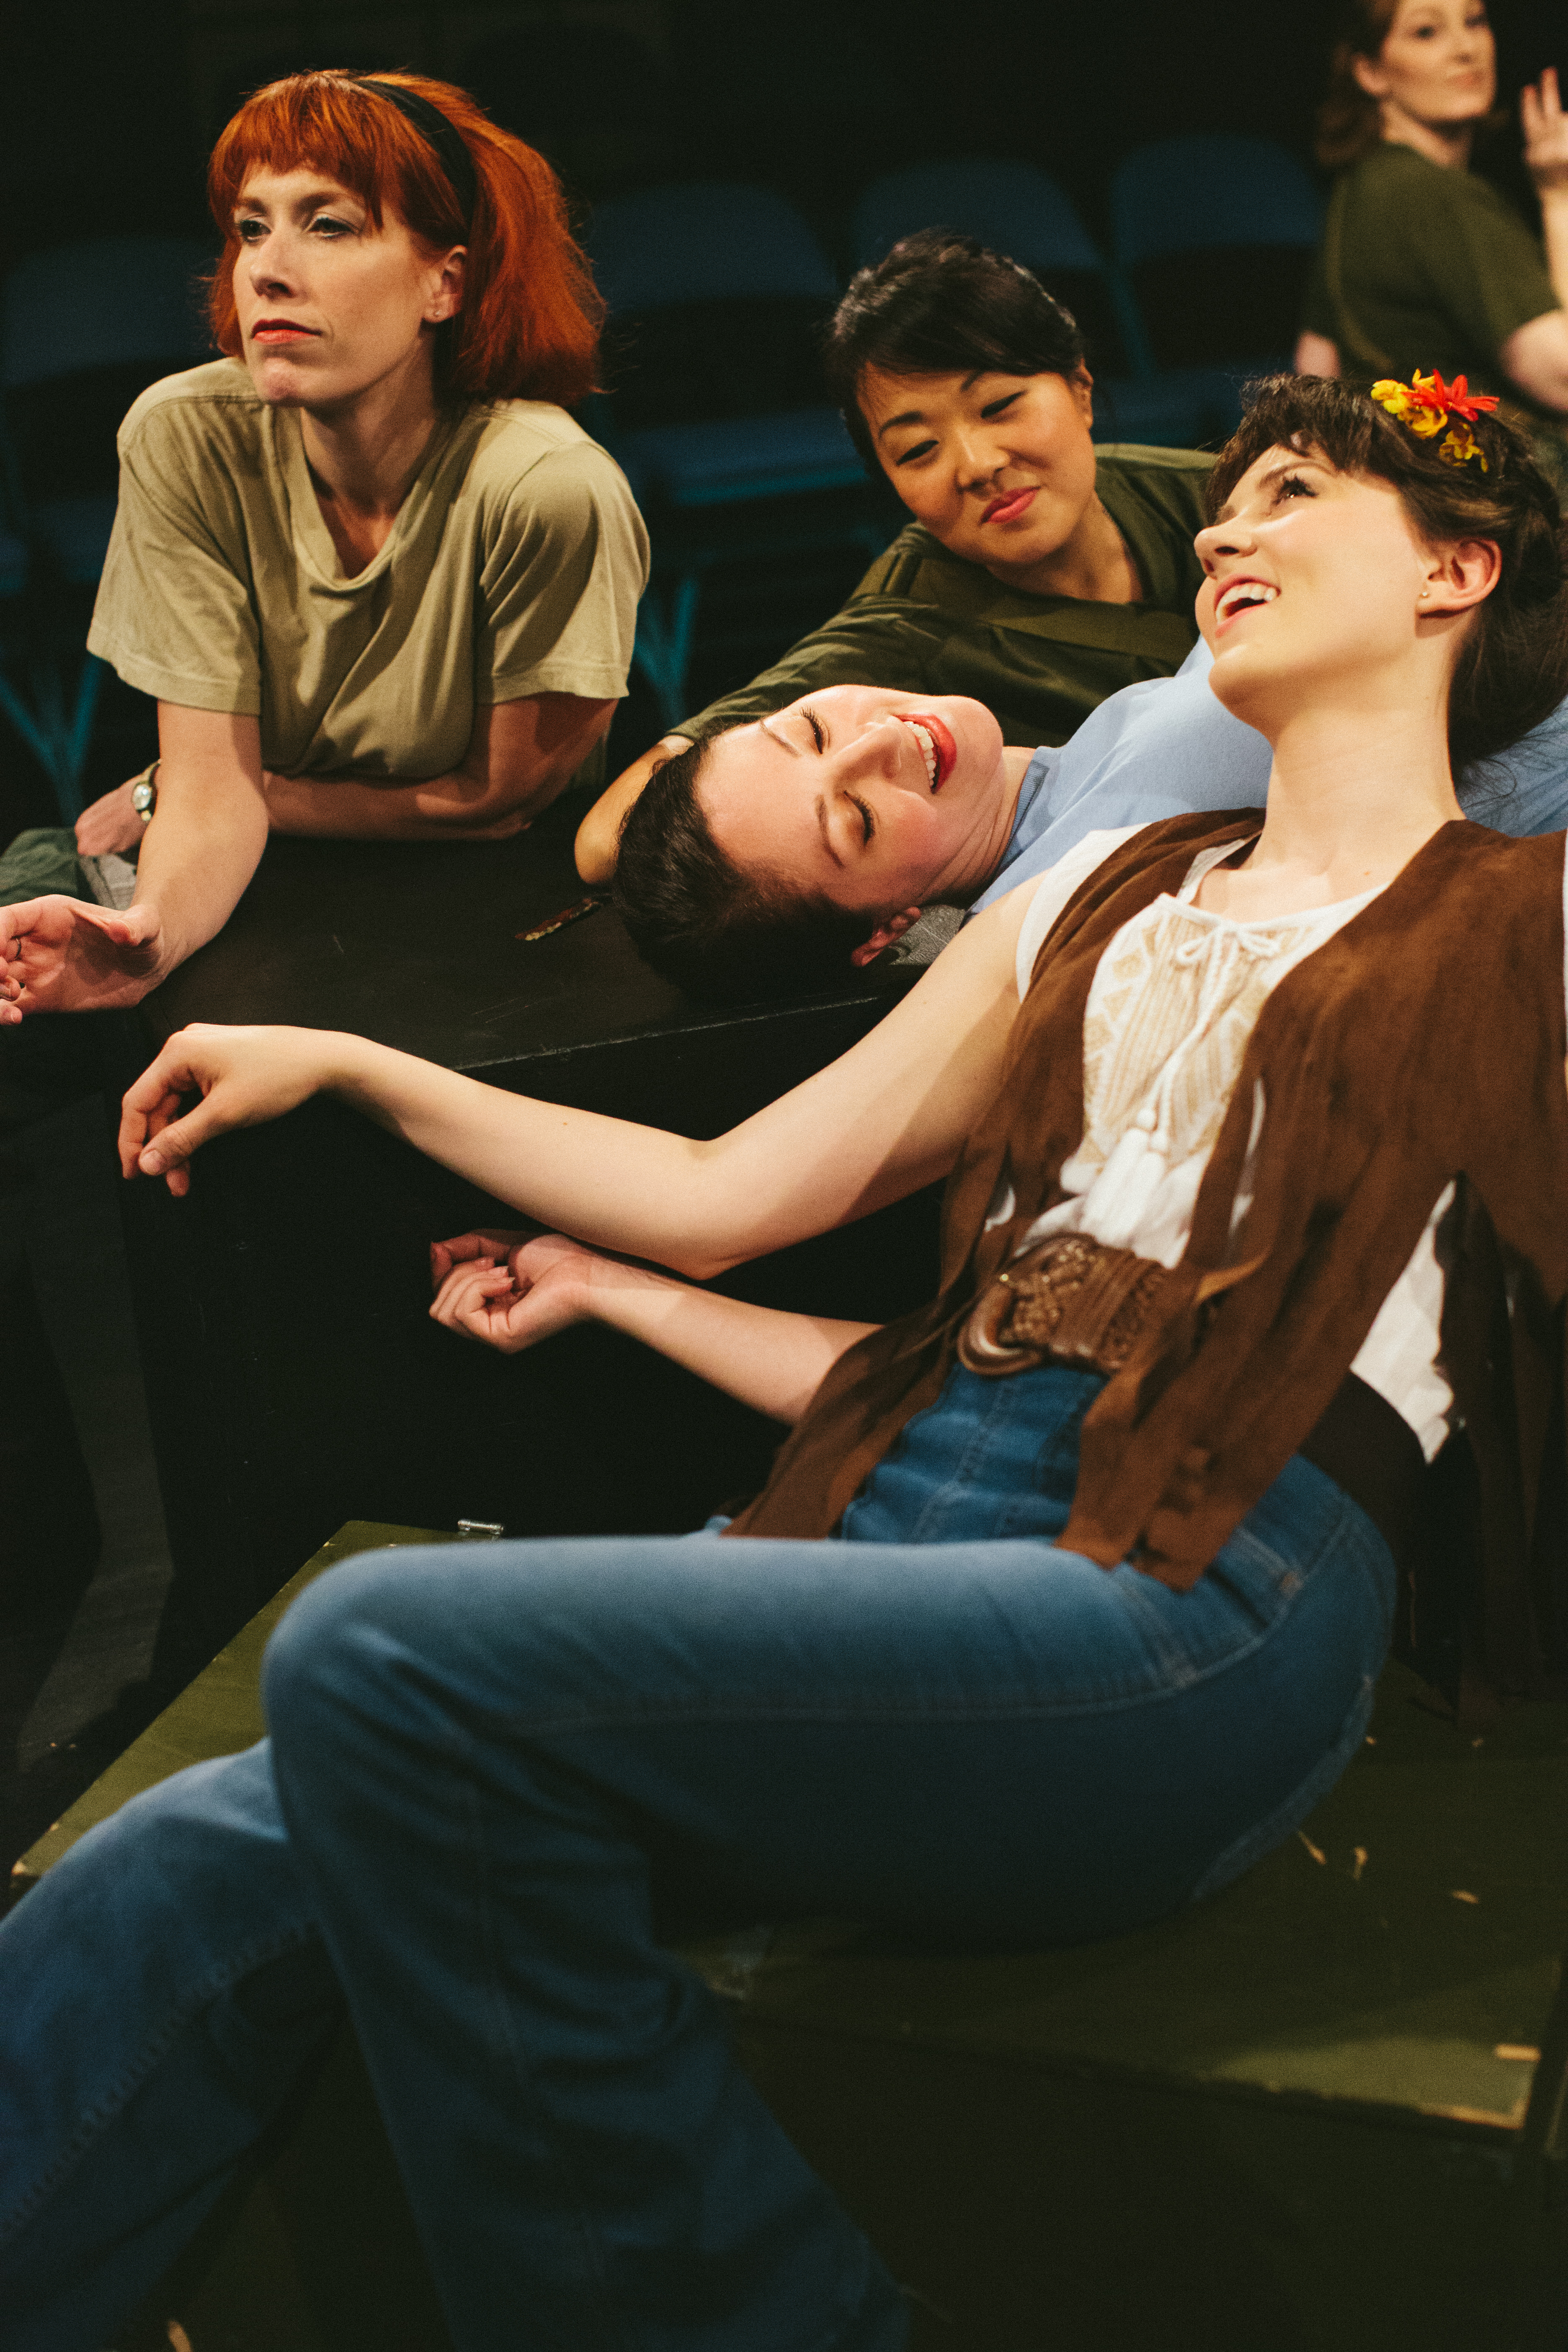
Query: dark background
x=106, y=114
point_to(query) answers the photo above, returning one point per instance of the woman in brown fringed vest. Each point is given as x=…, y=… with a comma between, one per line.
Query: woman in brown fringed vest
x=1075, y=1587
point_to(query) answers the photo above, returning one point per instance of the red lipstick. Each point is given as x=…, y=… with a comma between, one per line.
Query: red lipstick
x=943, y=744
x=1009, y=506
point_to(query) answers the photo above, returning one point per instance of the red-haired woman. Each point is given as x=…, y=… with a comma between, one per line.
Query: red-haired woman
x=381, y=583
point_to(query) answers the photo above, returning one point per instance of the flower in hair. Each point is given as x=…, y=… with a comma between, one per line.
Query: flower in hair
x=1426, y=404
x=1459, y=446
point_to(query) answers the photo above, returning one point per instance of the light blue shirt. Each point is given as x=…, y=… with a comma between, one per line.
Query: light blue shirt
x=1167, y=746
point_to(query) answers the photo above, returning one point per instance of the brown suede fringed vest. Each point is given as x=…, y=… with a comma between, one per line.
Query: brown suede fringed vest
x=1425, y=1042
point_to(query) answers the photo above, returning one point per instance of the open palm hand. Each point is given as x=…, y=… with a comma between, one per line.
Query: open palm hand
x=64, y=955
x=1545, y=133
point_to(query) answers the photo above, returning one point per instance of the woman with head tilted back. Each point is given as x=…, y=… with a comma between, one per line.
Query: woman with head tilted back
x=1423, y=264
x=1038, y=573
x=1075, y=1584
x=381, y=584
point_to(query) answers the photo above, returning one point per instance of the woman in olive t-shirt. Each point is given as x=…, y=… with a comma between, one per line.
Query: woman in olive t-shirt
x=381, y=584
x=1031, y=578
x=1423, y=264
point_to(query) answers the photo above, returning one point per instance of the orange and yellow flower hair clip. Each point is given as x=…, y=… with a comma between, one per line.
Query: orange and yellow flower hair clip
x=1426, y=404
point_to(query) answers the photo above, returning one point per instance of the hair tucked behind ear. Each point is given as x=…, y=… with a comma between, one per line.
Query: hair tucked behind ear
x=719, y=933
x=1512, y=668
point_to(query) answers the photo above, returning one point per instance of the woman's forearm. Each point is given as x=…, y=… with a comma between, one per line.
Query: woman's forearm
x=205, y=840
x=520, y=756
x=770, y=1360
x=641, y=1191
x=341, y=808
x=598, y=841
x=888, y=1117
x=1554, y=236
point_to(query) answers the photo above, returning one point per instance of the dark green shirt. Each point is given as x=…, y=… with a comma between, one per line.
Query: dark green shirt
x=1423, y=268
x=928, y=622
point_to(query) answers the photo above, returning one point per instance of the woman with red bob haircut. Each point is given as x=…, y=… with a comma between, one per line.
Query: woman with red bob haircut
x=380, y=582
x=528, y=328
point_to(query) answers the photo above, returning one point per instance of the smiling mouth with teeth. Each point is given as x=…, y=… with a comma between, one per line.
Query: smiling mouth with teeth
x=928, y=749
x=1245, y=592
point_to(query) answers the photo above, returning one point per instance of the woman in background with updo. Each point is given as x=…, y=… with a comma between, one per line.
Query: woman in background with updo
x=1423, y=264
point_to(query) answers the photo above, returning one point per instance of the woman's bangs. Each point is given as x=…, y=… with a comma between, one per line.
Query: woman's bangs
x=310, y=123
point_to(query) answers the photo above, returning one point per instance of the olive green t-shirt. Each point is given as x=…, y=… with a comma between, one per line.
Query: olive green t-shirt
x=928, y=622
x=1423, y=268
x=514, y=568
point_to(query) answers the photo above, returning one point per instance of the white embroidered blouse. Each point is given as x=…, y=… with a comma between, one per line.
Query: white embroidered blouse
x=1171, y=1010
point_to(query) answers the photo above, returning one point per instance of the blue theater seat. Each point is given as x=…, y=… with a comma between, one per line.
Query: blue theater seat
x=714, y=291
x=83, y=329
x=1215, y=235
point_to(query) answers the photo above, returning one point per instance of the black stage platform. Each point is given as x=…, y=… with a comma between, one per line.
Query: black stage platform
x=294, y=1378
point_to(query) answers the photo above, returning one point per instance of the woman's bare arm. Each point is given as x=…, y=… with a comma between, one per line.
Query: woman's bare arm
x=889, y=1116
x=599, y=834
x=203, y=843
x=511, y=1293
x=521, y=755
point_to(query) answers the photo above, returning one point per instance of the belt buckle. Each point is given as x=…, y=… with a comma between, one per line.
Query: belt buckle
x=1071, y=1299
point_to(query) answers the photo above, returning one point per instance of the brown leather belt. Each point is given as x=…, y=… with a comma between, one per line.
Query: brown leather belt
x=1074, y=1300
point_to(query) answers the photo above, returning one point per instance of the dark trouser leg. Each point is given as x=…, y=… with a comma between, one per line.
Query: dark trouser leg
x=50, y=1533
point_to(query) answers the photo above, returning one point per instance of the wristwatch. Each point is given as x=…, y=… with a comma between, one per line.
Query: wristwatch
x=144, y=793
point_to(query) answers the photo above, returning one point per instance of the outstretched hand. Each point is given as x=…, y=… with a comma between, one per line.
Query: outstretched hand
x=1545, y=133
x=508, y=1291
x=65, y=955
x=244, y=1077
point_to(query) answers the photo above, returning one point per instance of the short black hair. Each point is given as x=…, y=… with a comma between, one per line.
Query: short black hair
x=722, y=934
x=936, y=303
x=1512, y=671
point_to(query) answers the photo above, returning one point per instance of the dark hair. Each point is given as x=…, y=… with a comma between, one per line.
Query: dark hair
x=719, y=933
x=1512, y=668
x=939, y=302
x=1350, y=119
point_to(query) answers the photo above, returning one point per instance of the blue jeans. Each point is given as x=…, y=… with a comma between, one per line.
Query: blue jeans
x=480, y=1761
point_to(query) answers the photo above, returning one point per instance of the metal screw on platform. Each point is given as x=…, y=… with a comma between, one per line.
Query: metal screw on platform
x=480, y=1530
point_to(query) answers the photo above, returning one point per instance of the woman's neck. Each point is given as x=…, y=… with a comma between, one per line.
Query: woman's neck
x=1095, y=564
x=364, y=454
x=1352, y=796
x=974, y=867
x=1445, y=143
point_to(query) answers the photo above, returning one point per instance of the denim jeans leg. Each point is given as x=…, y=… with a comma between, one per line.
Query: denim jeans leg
x=477, y=1758
x=162, y=1991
